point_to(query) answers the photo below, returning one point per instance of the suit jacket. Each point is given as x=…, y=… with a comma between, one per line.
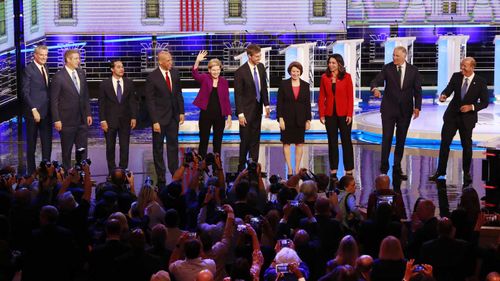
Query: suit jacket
x=398, y=99
x=294, y=111
x=244, y=92
x=35, y=92
x=451, y=259
x=112, y=111
x=206, y=87
x=477, y=95
x=343, y=99
x=164, y=105
x=67, y=105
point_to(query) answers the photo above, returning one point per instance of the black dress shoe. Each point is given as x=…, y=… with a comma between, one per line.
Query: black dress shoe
x=399, y=174
x=436, y=176
x=467, y=179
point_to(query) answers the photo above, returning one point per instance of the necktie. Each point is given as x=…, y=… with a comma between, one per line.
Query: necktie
x=75, y=81
x=168, y=81
x=463, y=91
x=44, y=75
x=400, y=74
x=118, y=91
x=256, y=81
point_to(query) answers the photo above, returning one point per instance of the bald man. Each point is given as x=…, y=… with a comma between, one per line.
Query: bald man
x=470, y=96
x=205, y=275
x=166, y=110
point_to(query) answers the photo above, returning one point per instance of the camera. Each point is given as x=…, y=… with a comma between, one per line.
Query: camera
x=285, y=243
x=294, y=203
x=274, y=179
x=388, y=199
x=80, y=162
x=241, y=228
x=192, y=235
x=308, y=175
x=418, y=268
x=189, y=157
x=148, y=181
x=282, y=268
x=251, y=167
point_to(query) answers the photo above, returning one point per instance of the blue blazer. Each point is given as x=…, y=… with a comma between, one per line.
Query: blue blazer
x=35, y=92
x=67, y=105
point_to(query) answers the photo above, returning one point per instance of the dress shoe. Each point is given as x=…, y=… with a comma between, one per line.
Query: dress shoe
x=399, y=174
x=436, y=176
x=467, y=179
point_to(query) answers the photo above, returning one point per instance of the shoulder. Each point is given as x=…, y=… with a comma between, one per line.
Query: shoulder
x=479, y=79
x=304, y=84
x=324, y=76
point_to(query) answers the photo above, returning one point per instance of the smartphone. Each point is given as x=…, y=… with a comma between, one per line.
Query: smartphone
x=418, y=268
x=282, y=268
x=192, y=235
x=241, y=228
x=294, y=203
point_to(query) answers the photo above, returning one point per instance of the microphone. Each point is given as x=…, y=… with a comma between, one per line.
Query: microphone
x=434, y=31
x=344, y=29
x=247, y=31
x=452, y=22
x=295, y=26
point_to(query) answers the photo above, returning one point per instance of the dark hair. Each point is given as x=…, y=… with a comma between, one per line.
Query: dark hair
x=113, y=62
x=241, y=270
x=253, y=49
x=340, y=62
x=344, y=181
x=192, y=249
x=242, y=189
x=171, y=218
x=297, y=65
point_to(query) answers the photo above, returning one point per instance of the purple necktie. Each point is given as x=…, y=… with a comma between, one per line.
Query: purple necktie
x=256, y=81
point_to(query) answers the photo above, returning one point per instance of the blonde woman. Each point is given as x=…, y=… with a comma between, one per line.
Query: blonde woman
x=147, y=204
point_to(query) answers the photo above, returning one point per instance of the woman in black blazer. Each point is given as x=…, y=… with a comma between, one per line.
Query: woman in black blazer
x=293, y=112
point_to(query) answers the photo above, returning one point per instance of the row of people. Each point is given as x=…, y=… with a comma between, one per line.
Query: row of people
x=69, y=109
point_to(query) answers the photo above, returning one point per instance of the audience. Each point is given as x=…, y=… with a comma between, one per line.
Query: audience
x=197, y=228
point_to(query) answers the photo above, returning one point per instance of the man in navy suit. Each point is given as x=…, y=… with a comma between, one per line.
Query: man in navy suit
x=470, y=96
x=166, y=109
x=36, y=105
x=250, y=94
x=69, y=100
x=117, y=111
x=402, y=99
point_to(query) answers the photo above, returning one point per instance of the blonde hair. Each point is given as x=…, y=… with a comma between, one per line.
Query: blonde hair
x=146, y=196
x=214, y=62
x=390, y=249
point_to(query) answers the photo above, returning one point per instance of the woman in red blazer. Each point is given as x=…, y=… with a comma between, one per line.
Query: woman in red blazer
x=293, y=111
x=336, y=105
x=213, y=102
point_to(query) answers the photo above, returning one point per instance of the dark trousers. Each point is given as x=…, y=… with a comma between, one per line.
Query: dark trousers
x=206, y=122
x=250, y=141
x=448, y=131
x=171, y=133
x=123, y=132
x=73, y=136
x=334, y=124
x=402, y=123
x=44, y=127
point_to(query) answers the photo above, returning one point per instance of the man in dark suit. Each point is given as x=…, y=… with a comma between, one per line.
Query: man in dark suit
x=69, y=100
x=402, y=99
x=36, y=106
x=117, y=111
x=250, y=94
x=166, y=109
x=471, y=95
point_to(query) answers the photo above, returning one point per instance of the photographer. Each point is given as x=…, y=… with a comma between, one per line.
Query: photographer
x=382, y=191
x=241, y=269
x=286, y=266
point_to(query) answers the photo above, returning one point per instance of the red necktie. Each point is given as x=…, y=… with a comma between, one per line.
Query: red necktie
x=168, y=82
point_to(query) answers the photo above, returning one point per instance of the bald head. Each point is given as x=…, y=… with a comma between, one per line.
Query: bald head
x=382, y=182
x=205, y=275
x=160, y=276
x=301, y=237
x=425, y=210
x=364, y=263
x=493, y=276
x=165, y=60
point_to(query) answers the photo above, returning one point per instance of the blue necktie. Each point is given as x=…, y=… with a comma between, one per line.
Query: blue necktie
x=75, y=81
x=256, y=81
x=463, y=91
x=118, y=91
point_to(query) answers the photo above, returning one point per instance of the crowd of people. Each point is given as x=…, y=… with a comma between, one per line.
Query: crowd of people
x=58, y=225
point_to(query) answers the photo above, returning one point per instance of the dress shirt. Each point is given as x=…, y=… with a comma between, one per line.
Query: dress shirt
x=70, y=72
x=115, y=84
x=252, y=66
x=163, y=73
